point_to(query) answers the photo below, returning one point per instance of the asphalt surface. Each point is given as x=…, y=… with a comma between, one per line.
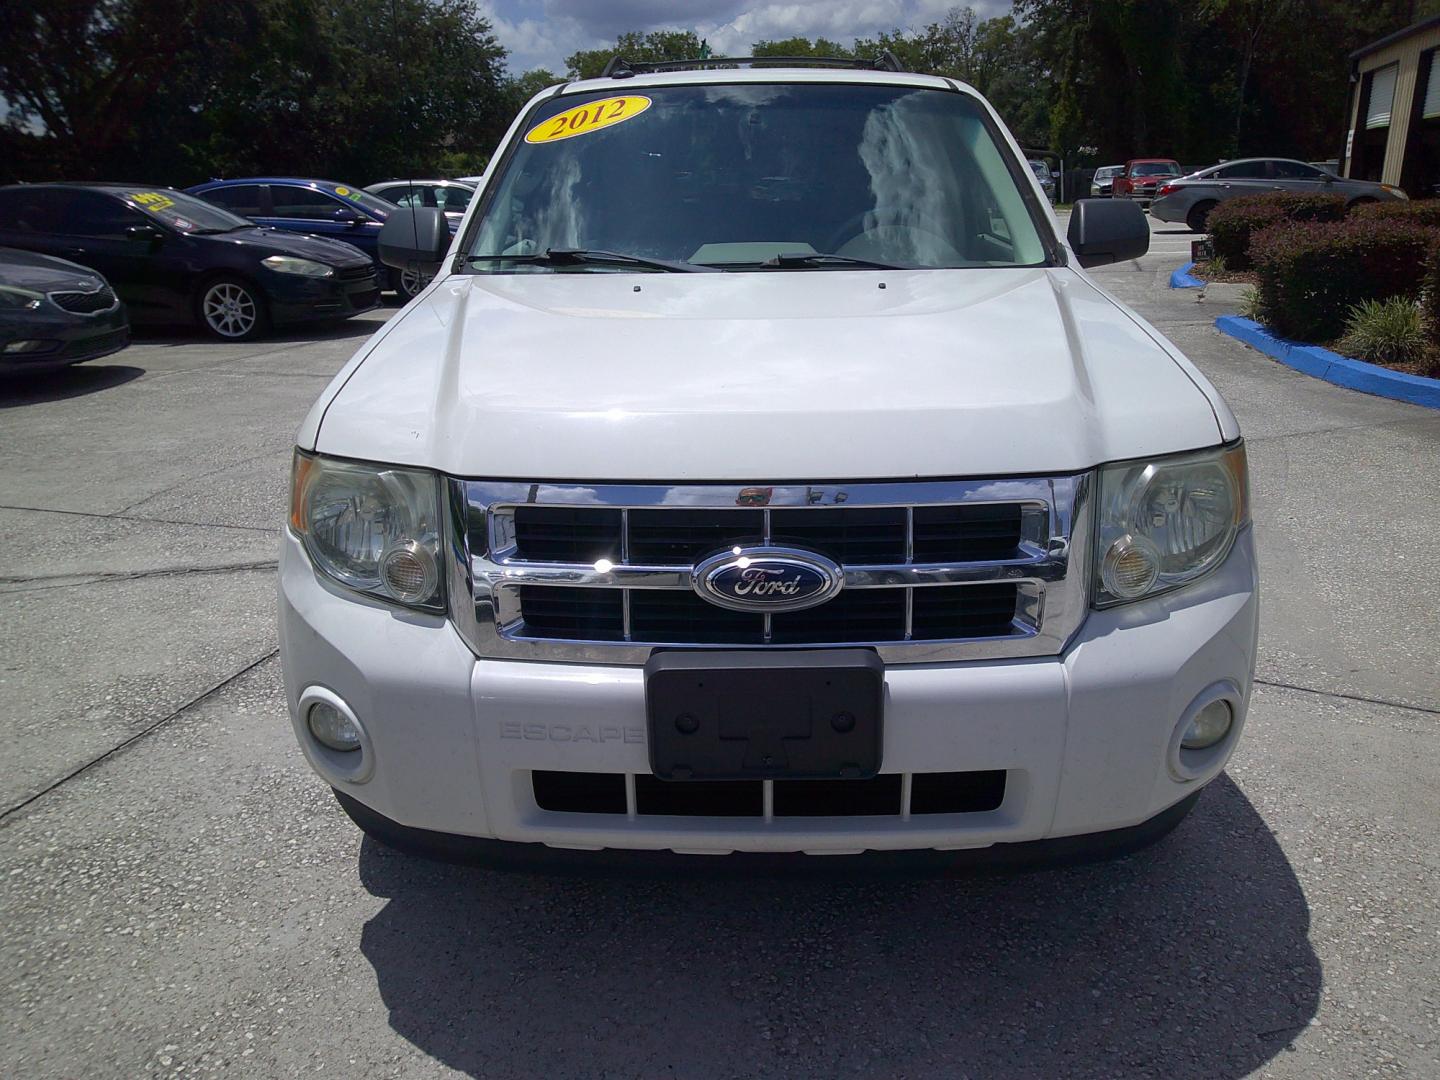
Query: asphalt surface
x=180, y=896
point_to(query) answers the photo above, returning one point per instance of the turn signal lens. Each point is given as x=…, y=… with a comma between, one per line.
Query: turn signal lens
x=1130, y=567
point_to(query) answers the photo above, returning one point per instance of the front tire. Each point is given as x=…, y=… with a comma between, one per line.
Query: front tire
x=231, y=309
x=1199, y=216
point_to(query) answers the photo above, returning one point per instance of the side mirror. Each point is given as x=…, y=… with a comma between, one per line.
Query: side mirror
x=1104, y=231
x=415, y=239
x=344, y=215
x=1327, y=178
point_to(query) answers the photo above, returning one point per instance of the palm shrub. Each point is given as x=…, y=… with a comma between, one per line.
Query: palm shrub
x=1233, y=224
x=1311, y=273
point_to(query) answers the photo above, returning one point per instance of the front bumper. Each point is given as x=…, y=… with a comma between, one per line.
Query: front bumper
x=1085, y=738
x=62, y=338
x=297, y=299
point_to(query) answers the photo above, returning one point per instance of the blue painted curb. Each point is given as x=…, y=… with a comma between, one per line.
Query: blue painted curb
x=1181, y=279
x=1332, y=367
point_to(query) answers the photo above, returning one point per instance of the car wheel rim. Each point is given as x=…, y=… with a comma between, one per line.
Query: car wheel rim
x=412, y=282
x=229, y=310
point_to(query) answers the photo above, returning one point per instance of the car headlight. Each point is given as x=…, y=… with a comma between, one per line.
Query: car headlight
x=1165, y=522
x=14, y=298
x=373, y=528
x=290, y=264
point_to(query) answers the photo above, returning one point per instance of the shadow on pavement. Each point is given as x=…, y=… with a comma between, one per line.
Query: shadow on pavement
x=57, y=384
x=1190, y=959
x=285, y=335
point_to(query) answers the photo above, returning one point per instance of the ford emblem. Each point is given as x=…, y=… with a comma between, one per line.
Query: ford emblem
x=767, y=579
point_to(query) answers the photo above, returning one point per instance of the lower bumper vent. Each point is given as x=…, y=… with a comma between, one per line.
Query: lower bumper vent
x=883, y=796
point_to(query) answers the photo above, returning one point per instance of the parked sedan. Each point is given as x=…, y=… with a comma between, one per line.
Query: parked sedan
x=315, y=207
x=451, y=196
x=174, y=259
x=1191, y=198
x=1043, y=174
x=54, y=313
x=1103, y=180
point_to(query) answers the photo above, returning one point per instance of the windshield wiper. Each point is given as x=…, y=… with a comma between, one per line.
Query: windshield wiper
x=804, y=259
x=593, y=256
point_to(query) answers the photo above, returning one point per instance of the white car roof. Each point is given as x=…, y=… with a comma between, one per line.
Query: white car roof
x=765, y=75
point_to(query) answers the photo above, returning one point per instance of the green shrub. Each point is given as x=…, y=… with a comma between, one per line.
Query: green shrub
x=1422, y=211
x=1250, y=303
x=1233, y=224
x=1390, y=332
x=1310, y=274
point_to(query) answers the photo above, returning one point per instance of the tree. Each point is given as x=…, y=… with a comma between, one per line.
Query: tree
x=655, y=46
x=801, y=46
x=170, y=92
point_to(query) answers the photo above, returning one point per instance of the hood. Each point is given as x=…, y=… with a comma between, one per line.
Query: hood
x=279, y=242
x=762, y=376
x=28, y=270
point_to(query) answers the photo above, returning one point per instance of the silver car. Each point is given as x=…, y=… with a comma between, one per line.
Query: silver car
x=1103, y=181
x=1191, y=198
x=452, y=196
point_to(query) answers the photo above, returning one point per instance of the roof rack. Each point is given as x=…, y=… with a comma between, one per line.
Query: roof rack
x=621, y=68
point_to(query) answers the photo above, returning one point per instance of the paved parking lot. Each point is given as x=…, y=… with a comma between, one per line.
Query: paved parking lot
x=181, y=897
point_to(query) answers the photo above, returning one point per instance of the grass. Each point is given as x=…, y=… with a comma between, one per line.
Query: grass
x=1393, y=333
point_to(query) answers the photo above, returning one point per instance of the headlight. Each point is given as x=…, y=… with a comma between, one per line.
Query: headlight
x=289, y=264
x=14, y=298
x=373, y=528
x=1166, y=522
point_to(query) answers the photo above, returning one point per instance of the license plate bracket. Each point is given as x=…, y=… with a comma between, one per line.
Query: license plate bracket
x=802, y=715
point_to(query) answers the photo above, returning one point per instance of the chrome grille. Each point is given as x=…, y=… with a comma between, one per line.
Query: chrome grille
x=90, y=302
x=932, y=571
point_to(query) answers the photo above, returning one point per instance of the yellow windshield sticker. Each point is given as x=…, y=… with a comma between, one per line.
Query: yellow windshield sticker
x=342, y=191
x=584, y=119
x=153, y=200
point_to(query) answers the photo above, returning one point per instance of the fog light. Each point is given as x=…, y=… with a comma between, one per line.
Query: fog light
x=1130, y=567
x=1211, y=724
x=29, y=345
x=409, y=573
x=333, y=728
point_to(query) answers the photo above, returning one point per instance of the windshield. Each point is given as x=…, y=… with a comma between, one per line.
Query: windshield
x=1156, y=168
x=1109, y=172
x=183, y=212
x=371, y=204
x=736, y=175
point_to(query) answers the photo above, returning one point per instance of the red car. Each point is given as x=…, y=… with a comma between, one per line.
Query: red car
x=1143, y=176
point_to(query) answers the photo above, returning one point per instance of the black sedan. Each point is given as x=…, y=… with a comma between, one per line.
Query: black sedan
x=54, y=313
x=174, y=258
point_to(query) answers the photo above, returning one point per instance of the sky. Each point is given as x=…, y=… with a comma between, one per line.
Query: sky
x=541, y=33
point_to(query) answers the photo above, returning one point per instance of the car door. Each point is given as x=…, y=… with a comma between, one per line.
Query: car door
x=310, y=210
x=117, y=241
x=1242, y=178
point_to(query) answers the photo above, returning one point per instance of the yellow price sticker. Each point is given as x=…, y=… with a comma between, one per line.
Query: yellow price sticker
x=342, y=191
x=153, y=200
x=584, y=119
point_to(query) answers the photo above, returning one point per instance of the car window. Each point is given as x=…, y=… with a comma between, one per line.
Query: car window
x=374, y=205
x=187, y=213
x=407, y=195
x=1244, y=170
x=1295, y=170
x=32, y=210
x=734, y=175
x=242, y=199
x=453, y=199
x=299, y=202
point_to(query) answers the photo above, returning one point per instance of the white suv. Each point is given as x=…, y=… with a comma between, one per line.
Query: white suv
x=761, y=472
